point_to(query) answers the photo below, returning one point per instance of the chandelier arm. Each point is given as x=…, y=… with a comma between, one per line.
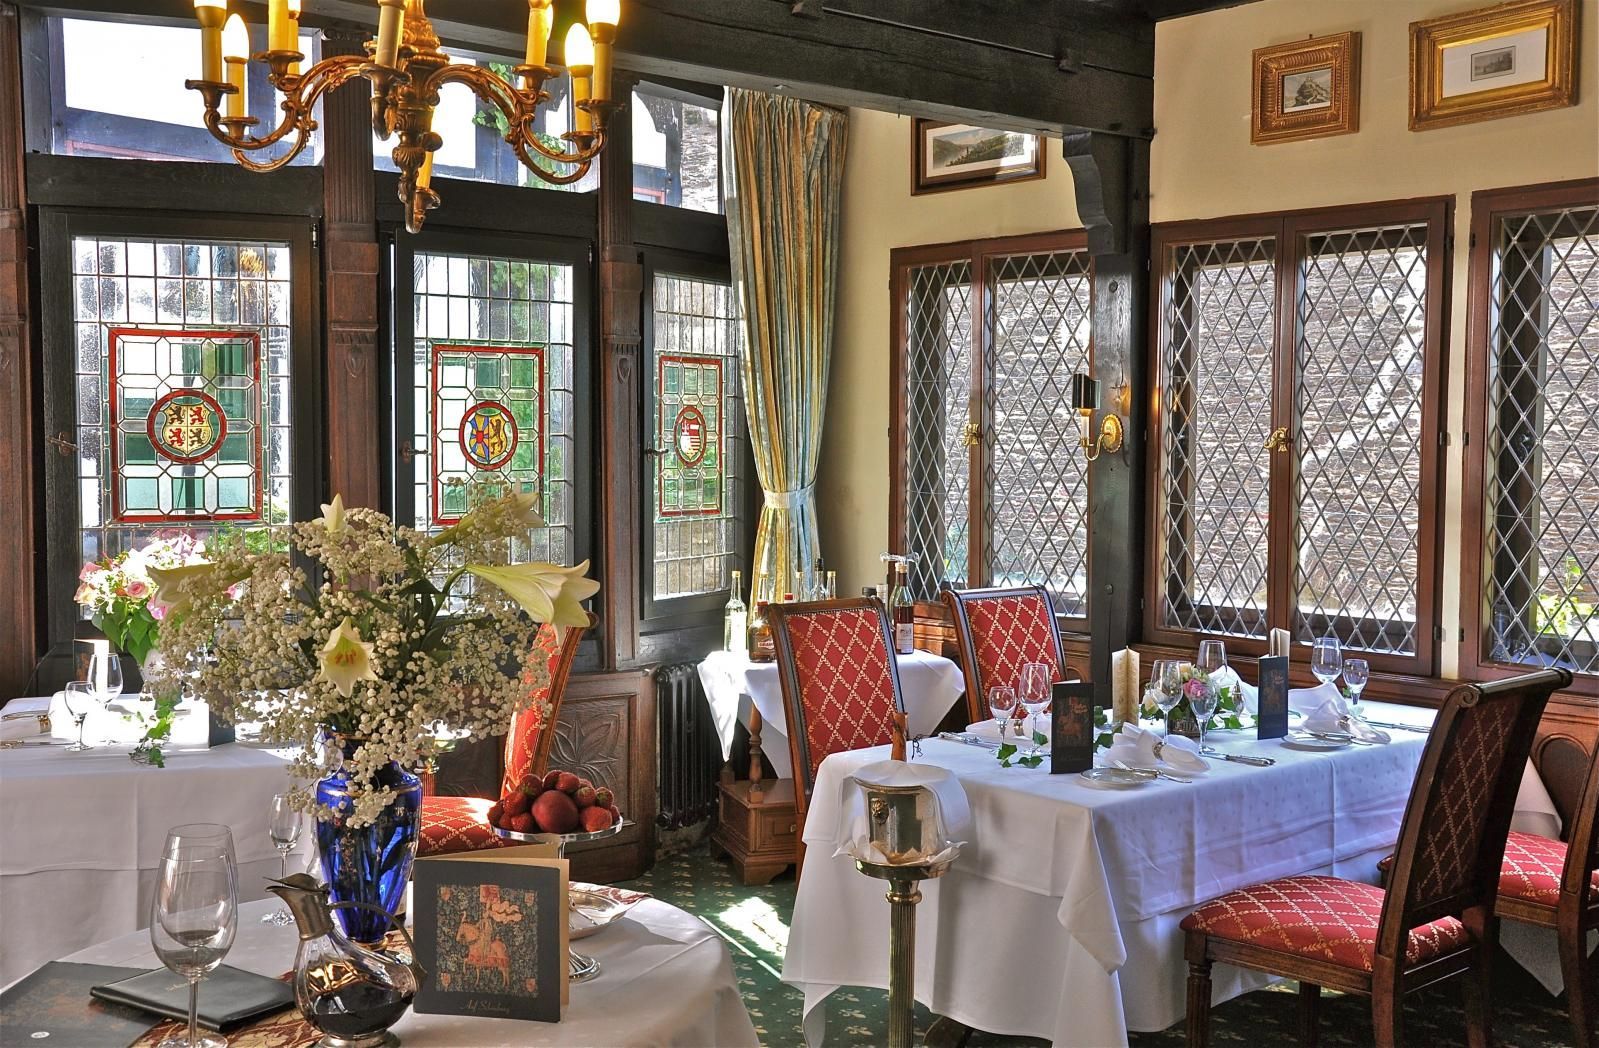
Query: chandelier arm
x=520, y=109
x=300, y=95
x=519, y=146
x=524, y=134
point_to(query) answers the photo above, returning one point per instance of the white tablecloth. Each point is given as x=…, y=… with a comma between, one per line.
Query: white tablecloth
x=665, y=979
x=81, y=835
x=930, y=683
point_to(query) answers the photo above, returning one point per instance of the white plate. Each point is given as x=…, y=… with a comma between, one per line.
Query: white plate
x=1117, y=778
x=1301, y=741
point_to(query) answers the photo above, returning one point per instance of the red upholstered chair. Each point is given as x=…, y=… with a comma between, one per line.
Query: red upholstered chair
x=840, y=685
x=999, y=630
x=457, y=824
x=1436, y=918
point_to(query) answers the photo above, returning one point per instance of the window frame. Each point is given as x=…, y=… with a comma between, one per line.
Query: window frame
x=1488, y=207
x=705, y=96
x=672, y=613
x=978, y=253
x=57, y=229
x=1290, y=231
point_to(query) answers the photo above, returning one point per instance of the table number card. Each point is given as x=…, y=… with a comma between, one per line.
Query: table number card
x=1071, y=741
x=1272, y=720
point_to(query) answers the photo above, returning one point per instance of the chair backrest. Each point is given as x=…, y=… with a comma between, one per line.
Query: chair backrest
x=532, y=733
x=1452, y=838
x=999, y=630
x=840, y=682
x=1582, y=842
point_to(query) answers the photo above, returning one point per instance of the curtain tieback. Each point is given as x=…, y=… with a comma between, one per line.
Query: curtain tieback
x=789, y=500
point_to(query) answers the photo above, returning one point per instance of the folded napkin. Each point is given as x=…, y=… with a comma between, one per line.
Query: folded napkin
x=853, y=836
x=1333, y=715
x=1018, y=732
x=1248, y=694
x=1303, y=700
x=1135, y=747
x=31, y=717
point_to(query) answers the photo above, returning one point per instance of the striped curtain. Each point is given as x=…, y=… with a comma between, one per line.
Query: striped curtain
x=783, y=181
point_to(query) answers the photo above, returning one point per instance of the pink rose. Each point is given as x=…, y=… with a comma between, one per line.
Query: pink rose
x=90, y=570
x=158, y=611
x=136, y=590
x=1196, y=689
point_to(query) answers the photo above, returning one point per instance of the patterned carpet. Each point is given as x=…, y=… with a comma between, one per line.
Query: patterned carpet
x=754, y=921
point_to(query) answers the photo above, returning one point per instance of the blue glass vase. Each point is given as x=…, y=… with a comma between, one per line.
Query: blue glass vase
x=369, y=864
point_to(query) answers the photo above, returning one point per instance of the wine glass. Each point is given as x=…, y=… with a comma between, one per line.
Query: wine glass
x=1212, y=656
x=1326, y=659
x=78, y=695
x=1203, y=701
x=284, y=826
x=1032, y=690
x=1168, y=687
x=195, y=913
x=105, y=674
x=1356, y=674
x=1002, y=704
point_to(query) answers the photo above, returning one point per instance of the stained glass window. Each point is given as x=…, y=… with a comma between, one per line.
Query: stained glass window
x=493, y=388
x=698, y=430
x=182, y=375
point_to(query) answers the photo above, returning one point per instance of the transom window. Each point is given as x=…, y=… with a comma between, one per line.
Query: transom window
x=677, y=149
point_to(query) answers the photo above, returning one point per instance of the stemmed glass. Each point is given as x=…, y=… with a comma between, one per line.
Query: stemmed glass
x=195, y=913
x=284, y=826
x=105, y=675
x=1167, y=679
x=1326, y=659
x=1032, y=690
x=1203, y=702
x=80, y=699
x=1002, y=704
x=1212, y=656
x=1356, y=674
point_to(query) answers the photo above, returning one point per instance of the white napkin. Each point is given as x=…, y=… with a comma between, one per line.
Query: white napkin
x=27, y=726
x=1303, y=700
x=1135, y=746
x=1248, y=694
x=1019, y=732
x=854, y=829
x=1333, y=715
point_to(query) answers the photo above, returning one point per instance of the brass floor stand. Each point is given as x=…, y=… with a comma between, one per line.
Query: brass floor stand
x=904, y=892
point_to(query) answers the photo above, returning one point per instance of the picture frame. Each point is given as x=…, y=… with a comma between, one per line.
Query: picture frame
x=1506, y=60
x=946, y=156
x=1306, y=89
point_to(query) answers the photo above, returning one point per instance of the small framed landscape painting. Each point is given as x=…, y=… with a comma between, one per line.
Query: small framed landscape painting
x=959, y=156
x=1514, y=58
x=1306, y=89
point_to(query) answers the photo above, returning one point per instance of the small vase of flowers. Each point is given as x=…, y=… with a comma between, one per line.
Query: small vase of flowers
x=1230, y=712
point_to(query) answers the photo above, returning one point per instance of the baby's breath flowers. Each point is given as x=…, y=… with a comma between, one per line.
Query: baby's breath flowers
x=395, y=632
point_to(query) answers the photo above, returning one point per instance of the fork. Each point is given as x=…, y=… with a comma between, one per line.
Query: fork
x=1156, y=772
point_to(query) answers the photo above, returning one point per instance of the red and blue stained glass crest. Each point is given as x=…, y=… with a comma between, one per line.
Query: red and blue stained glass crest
x=689, y=475
x=486, y=422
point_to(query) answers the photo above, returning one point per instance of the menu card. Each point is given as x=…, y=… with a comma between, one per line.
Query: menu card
x=491, y=931
x=53, y=1007
x=1272, y=719
x=1071, y=741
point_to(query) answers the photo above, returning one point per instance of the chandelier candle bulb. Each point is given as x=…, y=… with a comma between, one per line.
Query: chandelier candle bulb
x=602, y=18
x=293, y=34
x=211, y=14
x=236, y=56
x=424, y=177
x=391, y=13
x=579, y=55
x=280, y=27
x=540, y=20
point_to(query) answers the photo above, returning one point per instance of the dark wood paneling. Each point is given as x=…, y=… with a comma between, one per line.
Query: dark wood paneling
x=606, y=733
x=680, y=229
x=503, y=209
x=18, y=441
x=84, y=181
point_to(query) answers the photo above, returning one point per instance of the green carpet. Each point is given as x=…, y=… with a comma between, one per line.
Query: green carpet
x=754, y=922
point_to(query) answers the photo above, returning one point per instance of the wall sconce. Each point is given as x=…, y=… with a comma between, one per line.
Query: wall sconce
x=1085, y=399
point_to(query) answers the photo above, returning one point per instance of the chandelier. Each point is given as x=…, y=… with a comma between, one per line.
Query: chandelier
x=407, y=67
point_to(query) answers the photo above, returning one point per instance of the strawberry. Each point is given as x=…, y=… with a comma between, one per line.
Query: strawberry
x=615, y=813
x=495, y=811
x=518, y=804
x=551, y=778
x=584, y=796
x=566, y=782
x=530, y=788
x=595, y=819
x=603, y=797
x=524, y=824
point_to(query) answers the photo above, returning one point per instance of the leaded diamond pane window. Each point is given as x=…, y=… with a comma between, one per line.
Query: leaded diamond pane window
x=1542, y=457
x=1037, y=480
x=1360, y=346
x=1215, y=402
x=493, y=398
x=182, y=387
x=698, y=414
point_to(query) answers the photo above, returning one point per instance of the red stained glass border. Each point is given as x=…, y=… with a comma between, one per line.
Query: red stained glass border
x=697, y=360
x=114, y=420
x=436, y=351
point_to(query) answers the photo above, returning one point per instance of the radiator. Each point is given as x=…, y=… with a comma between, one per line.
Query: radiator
x=689, y=756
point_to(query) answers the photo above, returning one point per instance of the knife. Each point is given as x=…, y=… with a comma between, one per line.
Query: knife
x=967, y=739
x=1236, y=758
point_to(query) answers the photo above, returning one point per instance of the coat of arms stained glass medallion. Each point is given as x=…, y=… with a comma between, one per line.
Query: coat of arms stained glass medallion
x=185, y=425
x=487, y=422
x=689, y=468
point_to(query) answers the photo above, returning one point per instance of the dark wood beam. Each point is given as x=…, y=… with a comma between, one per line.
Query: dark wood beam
x=80, y=181
x=19, y=444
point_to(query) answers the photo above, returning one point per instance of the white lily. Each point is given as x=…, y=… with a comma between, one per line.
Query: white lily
x=333, y=515
x=547, y=592
x=346, y=658
x=177, y=588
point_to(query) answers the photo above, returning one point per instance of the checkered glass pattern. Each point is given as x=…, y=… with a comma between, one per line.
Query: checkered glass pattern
x=1216, y=380
x=490, y=307
x=699, y=436
x=1359, y=349
x=143, y=294
x=938, y=382
x=1542, y=489
x=1036, y=513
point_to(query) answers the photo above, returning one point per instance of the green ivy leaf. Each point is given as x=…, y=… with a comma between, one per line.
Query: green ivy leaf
x=1040, y=739
x=1032, y=761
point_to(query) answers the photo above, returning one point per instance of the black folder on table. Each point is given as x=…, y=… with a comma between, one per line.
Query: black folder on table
x=229, y=997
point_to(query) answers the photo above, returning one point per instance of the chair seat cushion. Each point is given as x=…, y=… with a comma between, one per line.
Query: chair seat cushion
x=1533, y=868
x=457, y=824
x=1324, y=918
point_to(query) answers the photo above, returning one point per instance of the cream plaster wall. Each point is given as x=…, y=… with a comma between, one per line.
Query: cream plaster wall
x=1203, y=165
x=881, y=214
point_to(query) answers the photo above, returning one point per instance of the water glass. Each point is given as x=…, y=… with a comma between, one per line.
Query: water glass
x=1356, y=674
x=1033, y=691
x=195, y=914
x=284, y=826
x=1203, y=702
x=1326, y=659
x=1168, y=686
x=1212, y=656
x=1002, y=705
x=105, y=676
x=79, y=698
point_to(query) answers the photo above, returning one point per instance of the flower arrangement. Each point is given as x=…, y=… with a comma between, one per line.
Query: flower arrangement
x=390, y=633
x=1230, y=711
x=117, y=590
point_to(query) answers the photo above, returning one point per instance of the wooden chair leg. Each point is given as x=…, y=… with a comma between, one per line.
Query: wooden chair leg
x=1387, y=1018
x=1479, y=981
x=1309, y=1015
x=1582, y=987
x=1199, y=1004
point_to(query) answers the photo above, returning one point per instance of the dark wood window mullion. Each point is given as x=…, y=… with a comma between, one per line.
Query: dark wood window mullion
x=979, y=542
x=1178, y=406
x=1280, y=601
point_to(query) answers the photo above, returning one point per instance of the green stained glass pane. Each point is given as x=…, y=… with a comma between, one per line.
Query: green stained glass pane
x=522, y=373
x=193, y=358
x=525, y=455
x=137, y=406
x=235, y=402
x=233, y=493
x=140, y=493
x=232, y=358
x=522, y=411
x=236, y=449
x=455, y=498
x=671, y=497
x=691, y=381
x=136, y=448
x=188, y=493
x=486, y=371
x=711, y=492
x=672, y=378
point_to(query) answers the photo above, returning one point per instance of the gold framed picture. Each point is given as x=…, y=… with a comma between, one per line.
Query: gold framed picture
x=1306, y=89
x=958, y=156
x=1516, y=57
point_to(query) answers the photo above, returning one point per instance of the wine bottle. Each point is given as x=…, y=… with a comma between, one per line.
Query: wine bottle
x=735, y=619
x=761, y=646
x=902, y=610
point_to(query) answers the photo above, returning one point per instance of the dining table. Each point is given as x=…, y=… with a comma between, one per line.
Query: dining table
x=665, y=978
x=1059, y=918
